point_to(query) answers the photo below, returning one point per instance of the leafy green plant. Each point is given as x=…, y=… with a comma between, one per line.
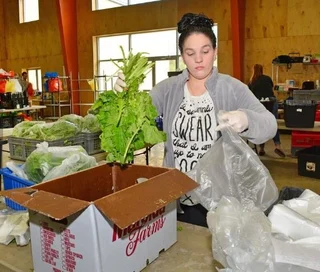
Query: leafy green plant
x=127, y=119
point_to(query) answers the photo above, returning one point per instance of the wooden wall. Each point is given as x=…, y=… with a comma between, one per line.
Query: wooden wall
x=33, y=44
x=152, y=16
x=3, y=55
x=278, y=27
x=271, y=28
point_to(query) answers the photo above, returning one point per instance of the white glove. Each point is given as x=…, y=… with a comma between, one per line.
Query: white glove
x=120, y=84
x=237, y=120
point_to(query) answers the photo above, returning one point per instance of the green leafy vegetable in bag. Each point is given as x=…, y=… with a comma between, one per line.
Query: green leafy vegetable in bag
x=73, y=118
x=91, y=124
x=22, y=129
x=47, y=162
x=127, y=119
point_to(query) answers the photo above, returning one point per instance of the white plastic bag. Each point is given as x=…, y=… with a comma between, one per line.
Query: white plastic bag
x=15, y=227
x=72, y=164
x=17, y=170
x=232, y=168
x=241, y=238
x=46, y=162
x=307, y=204
x=242, y=241
x=17, y=85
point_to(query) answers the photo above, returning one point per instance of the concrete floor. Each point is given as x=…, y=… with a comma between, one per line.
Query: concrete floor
x=283, y=170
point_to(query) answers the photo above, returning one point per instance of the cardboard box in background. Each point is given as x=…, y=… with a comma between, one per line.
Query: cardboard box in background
x=100, y=220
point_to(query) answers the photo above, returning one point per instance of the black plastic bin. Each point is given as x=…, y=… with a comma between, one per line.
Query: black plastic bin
x=300, y=113
x=286, y=193
x=309, y=162
x=6, y=122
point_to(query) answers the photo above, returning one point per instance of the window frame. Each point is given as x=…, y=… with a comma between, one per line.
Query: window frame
x=22, y=12
x=38, y=78
x=175, y=57
x=96, y=4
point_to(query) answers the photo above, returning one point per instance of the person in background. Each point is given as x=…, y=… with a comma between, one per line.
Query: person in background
x=24, y=81
x=262, y=87
x=190, y=102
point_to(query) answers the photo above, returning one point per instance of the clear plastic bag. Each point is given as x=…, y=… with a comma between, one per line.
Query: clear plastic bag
x=72, y=164
x=242, y=241
x=15, y=227
x=91, y=124
x=22, y=130
x=17, y=170
x=73, y=118
x=232, y=168
x=46, y=162
x=241, y=238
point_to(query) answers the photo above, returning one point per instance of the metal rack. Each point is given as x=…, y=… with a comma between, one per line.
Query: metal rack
x=59, y=99
x=296, y=68
x=87, y=95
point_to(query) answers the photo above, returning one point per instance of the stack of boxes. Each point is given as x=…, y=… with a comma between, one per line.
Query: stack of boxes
x=304, y=144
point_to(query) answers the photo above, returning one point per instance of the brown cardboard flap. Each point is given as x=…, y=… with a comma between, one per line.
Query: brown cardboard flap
x=134, y=203
x=49, y=204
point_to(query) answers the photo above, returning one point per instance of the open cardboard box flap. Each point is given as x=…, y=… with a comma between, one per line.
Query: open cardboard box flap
x=64, y=196
x=134, y=203
x=49, y=204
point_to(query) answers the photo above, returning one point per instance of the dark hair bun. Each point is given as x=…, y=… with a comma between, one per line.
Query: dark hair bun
x=191, y=20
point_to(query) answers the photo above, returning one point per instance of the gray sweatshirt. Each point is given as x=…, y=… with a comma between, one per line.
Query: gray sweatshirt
x=227, y=93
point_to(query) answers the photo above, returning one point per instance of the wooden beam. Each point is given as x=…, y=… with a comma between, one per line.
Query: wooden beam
x=237, y=29
x=67, y=19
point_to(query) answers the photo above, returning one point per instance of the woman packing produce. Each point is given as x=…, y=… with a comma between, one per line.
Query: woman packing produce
x=262, y=87
x=191, y=101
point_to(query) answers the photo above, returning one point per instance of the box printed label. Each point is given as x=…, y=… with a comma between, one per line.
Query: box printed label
x=140, y=230
x=50, y=254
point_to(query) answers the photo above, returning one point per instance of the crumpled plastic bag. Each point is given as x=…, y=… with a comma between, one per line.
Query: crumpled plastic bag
x=39, y=130
x=232, y=168
x=17, y=170
x=72, y=164
x=241, y=237
x=242, y=241
x=91, y=124
x=15, y=227
x=46, y=162
x=307, y=204
x=74, y=119
x=21, y=130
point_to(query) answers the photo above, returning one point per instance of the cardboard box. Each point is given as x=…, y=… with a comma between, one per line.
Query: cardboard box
x=100, y=220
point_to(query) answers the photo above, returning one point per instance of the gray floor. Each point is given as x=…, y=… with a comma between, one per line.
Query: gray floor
x=283, y=170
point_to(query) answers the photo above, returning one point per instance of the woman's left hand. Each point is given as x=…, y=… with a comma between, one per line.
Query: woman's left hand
x=237, y=120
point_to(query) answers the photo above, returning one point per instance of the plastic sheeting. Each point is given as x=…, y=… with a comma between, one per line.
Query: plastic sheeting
x=232, y=168
x=241, y=238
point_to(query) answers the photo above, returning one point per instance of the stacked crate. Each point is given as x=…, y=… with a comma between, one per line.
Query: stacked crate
x=303, y=139
x=21, y=148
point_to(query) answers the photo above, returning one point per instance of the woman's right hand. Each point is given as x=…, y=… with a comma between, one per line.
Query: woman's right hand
x=120, y=84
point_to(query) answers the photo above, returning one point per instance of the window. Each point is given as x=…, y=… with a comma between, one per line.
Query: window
x=34, y=77
x=160, y=43
x=162, y=48
x=28, y=10
x=106, y=4
x=109, y=47
x=134, y=2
